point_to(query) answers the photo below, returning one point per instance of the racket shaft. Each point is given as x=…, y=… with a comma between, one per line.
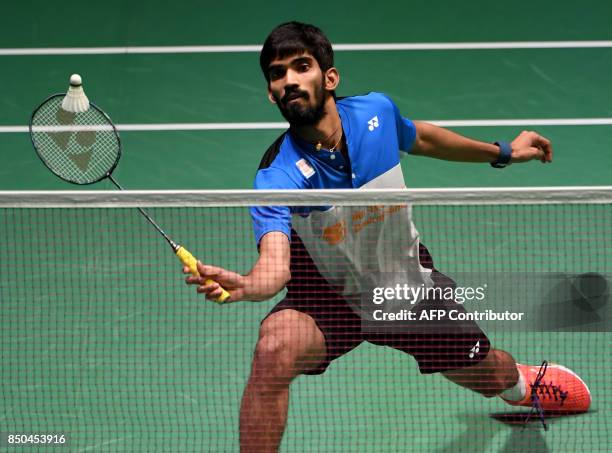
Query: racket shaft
x=190, y=261
x=186, y=258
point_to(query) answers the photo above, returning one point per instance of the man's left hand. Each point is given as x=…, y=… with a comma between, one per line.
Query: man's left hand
x=530, y=145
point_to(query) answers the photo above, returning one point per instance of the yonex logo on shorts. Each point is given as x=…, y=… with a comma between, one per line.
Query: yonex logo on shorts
x=373, y=123
x=475, y=350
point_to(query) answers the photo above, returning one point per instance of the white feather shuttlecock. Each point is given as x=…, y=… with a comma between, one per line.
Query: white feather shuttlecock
x=75, y=100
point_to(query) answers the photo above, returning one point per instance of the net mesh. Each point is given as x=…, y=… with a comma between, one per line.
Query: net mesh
x=78, y=147
x=102, y=340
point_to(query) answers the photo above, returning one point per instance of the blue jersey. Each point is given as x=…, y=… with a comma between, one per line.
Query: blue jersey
x=375, y=134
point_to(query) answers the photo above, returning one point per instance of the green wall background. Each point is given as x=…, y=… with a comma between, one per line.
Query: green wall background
x=228, y=87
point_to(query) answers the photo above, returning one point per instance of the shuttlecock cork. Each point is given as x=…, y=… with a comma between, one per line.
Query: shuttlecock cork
x=75, y=100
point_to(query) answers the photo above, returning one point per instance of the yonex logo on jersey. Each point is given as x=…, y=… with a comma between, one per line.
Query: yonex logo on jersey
x=373, y=123
x=475, y=350
x=305, y=168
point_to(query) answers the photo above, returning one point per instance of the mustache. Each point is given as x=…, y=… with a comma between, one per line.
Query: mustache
x=294, y=94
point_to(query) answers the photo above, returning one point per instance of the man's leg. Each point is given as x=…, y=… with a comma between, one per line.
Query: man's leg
x=289, y=344
x=496, y=373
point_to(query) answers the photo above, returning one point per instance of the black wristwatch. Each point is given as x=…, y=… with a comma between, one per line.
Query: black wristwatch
x=505, y=154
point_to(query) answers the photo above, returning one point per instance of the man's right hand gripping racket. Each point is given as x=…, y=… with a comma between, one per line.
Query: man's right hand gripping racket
x=78, y=142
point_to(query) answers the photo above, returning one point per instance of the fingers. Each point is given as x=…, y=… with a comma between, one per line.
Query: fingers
x=211, y=290
x=539, y=146
x=194, y=280
x=544, y=145
x=205, y=273
x=209, y=271
x=541, y=155
x=207, y=280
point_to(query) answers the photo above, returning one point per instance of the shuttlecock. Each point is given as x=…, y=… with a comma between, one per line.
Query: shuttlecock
x=75, y=100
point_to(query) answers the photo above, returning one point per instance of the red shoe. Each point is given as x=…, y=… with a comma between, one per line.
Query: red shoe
x=553, y=389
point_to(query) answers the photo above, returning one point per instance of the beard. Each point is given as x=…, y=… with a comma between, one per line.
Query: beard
x=298, y=114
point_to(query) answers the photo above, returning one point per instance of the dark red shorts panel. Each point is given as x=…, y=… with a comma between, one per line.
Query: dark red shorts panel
x=309, y=293
x=343, y=332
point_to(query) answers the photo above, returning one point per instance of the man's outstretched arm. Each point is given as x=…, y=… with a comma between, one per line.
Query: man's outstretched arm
x=440, y=143
x=268, y=276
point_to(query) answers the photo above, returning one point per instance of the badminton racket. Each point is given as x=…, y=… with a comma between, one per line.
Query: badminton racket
x=84, y=147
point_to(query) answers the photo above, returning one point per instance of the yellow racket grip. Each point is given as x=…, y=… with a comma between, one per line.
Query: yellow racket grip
x=189, y=260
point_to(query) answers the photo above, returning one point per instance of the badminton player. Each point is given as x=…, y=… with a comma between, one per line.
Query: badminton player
x=320, y=255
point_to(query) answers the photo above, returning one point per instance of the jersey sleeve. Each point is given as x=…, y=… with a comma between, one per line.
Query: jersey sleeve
x=271, y=218
x=406, y=129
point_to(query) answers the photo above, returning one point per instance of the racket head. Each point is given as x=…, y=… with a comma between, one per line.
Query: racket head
x=80, y=148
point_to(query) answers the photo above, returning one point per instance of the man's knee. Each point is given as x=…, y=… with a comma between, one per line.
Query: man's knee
x=289, y=343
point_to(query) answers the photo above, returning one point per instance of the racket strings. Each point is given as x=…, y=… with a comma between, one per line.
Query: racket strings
x=78, y=147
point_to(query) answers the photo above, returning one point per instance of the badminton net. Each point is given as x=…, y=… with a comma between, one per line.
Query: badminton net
x=103, y=341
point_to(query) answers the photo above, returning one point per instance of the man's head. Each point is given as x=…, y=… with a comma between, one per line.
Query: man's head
x=297, y=61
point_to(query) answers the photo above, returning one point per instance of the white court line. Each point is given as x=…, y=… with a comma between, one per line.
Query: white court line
x=74, y=128
x=264, y=126
x=175, y=127
x=337, y=47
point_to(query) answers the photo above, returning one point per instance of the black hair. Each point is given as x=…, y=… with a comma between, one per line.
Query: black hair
x=293, y=38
